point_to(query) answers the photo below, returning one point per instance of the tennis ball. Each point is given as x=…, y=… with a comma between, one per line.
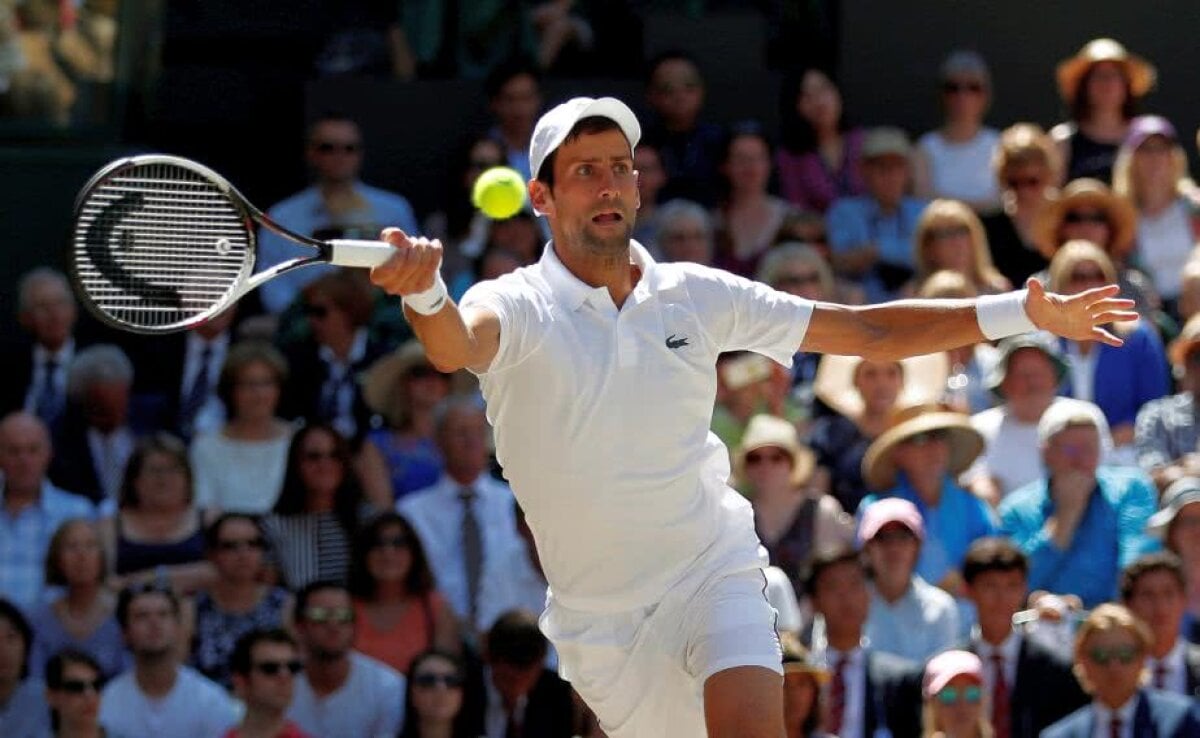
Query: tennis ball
x=499, y=192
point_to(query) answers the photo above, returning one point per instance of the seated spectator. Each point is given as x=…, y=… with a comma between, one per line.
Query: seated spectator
x=264, y=665
x=497, y=259
x=1167, y=432
x=651, y=179
x=862, y=393
x=1177, y=524
x=1154, y=589
x=523, y=697
x=341, y=693
x=23, y=712
x=465, y=522
x=954, y=161
x=404, y=388
x=909, y=617
x=749, y=219
x=1110, y=648
x=685, y=232
x=820, y=158
x=750, y=384
x=872, y=234
x=803, y=682
x=950, y=236
x=869, y=690
x=398, y=610
x=34, y=378
x=159, y=696
x=157, y=535
x=1082, y=522
x=971, y=364
x=33, y=508
x=918, y=460
x=953, y=690
x=1119, y=381
x=73, y=681
x=793, y=517
x=179, y=375
x=1028, y=685
x=312, y=524
x=1026, y=377
x=253, y=436
x=1027, y=167
x=84, y=616
x=237, y=601
x=434, y=705
x=690, y=148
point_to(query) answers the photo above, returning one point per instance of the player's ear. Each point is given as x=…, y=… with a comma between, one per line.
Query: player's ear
x=540, y=197
x=637, y=190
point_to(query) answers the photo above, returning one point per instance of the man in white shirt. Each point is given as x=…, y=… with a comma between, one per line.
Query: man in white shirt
x=1154, y=588
x=159, y=697
x=466, y=521
x=341, y=693
x=598, y=367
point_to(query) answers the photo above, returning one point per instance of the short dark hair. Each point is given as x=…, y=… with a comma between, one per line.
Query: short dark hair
x=419, y=581
x=242, y=355
x=57, y=664
x=590, y=125
x=53, y=570
x=12, y=613
x=306, y=593
x=993, y=553
x=129, y=594
x=502, y=73
x=243, y=650
x=515, y=639
x=158, y=443
x=326, y=116
x=826, y=560
x=1148, y=564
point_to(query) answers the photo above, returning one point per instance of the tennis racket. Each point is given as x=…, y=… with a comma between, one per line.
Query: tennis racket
x=161, y=244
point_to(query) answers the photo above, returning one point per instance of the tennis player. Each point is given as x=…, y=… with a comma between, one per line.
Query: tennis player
x=598, y=367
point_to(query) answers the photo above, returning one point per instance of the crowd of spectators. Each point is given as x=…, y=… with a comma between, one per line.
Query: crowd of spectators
x=289, y=522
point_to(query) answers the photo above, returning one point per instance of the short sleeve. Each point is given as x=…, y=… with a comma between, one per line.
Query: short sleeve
x=522, y=315
x=743, y=315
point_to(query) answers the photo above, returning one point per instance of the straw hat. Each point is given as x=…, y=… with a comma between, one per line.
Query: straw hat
x=379, y=382
x=965, y=442
x=769, y=430
x=1070, y=73
x=924, y=381
x=1188, y=339
x=1086, y=192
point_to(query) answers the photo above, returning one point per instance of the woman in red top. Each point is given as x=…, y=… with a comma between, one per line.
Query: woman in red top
x=398, y=610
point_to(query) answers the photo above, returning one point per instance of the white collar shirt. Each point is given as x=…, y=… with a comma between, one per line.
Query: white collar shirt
x=1010, y=652
x=1102, y=718
x=602, y=419
x=854, y=675
x=339, y=380
x=1175, y=668
x=495, y=719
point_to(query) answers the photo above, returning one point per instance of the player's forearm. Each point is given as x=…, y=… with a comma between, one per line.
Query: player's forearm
x=893, y=330
x=449, y=342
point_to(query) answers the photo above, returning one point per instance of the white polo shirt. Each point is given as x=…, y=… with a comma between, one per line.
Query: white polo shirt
x=602, y=418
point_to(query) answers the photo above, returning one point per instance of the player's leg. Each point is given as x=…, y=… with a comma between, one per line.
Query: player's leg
x=744, y=702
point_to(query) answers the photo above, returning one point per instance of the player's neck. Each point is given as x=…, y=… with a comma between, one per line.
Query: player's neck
x=613, y=271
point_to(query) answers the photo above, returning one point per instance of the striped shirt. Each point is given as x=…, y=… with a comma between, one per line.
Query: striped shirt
x=1165, y=431
x=309, y=547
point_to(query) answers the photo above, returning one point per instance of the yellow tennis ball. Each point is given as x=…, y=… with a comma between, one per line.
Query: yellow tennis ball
x=499, y=192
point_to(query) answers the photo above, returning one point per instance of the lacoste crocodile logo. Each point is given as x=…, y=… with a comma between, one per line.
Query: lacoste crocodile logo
x=674, y=343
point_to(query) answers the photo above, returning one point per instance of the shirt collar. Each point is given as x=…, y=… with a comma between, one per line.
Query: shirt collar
x=217, y=344
x=1173, y=657
x=1009, y=648
x=62, y=356
x=1124, y=712
x=358, y=350
x=573, y=292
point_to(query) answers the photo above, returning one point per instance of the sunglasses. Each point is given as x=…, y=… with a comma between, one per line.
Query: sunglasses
x=273, y=668
x=328, y=147
x=773, y=457
x=318, y=455
x=322, y=615
x=1023, y=183
x=1125, y=655
x=316, y=311
x=950, y=695
x=241, y=544
x=954, y=88
x=940, y=234
x=1076, y=217
x=396, y=541
x=797, y=280
x=79, y=686
x=429, y=681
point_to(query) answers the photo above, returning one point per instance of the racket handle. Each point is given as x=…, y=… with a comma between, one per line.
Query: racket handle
x=355, y=253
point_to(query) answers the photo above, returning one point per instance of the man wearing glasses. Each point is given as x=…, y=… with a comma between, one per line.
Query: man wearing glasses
x=264, y=665
x=341, y=693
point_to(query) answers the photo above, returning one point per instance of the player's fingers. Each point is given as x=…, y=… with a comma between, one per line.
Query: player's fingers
x=1035, y=287
x=1113, y=316
x=395, y=236
x=1103, y=336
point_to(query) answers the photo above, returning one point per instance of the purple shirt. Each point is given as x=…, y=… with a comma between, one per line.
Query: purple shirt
x=807, y=181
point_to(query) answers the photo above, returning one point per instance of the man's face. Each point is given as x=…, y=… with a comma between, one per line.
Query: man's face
x=462, y=439
x=595, y=198
x=923, y=454
x=24, y=451
x=12, y=652
x=1111, y=661
x=998, y=594
x=49, y=313
x=1030, y=383
x=879, y=383
x=270, y=683
x=517, y=103
x=1159, y=600
x=886, y=178
x=106, y=405
x=676, y=93
x=152, y=629
x=326, y=626
x=1076, y=449
x=335, y=151
x=513, y=681
x=841, y=596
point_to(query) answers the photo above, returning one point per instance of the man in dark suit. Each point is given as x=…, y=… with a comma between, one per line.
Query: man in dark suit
x=1154, y=588
x=1030, y=686
x=868, y=690
x=1111, y=647
x=523, y=699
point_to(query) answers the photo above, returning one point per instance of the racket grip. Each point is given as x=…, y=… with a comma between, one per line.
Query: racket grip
x=355, y=253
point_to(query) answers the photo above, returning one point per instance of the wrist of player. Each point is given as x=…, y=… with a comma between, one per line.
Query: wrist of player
x=1003, y=315
x=430, y=301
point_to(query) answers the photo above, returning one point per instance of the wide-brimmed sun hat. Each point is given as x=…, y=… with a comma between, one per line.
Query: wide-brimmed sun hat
x=1086, y=192
x=924, y=381
x=878, y=468
x=379, y=382
x=1070, y=72
x=768, y=430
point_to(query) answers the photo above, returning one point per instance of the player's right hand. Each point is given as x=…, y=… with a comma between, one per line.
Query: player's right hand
x=412, y=269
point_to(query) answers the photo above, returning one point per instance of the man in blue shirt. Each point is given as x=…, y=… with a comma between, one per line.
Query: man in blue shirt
x=1082, y=523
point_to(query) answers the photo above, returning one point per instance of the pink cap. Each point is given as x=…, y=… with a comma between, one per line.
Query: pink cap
x=947, y=665
x=890, y=510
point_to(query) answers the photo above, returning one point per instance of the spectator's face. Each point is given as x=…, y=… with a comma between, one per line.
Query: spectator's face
x=1107, y=86
x=513, y=681
x=998, y=594
x=769, y=467
x=676, y=93
x=748, y=165
x=1073, y=449
x=1159, y=600
x=1111, y=661
x=498, y=262
x=1028, y=181
x=819, y=101
x=1085, y=221
x=958, y=707
x=152, y=630
x=106, y=405
x=49, y=313
x=326, y=626
x=12, y=652
x=1029, y=384
x=484, y=155
x=162, y=483
x=893, y=554
x=651, y=175
x=924, y=455
x=255, y=392
x=886, y=178
x=77, y=701
x=841, y=596
x=238, y=556
x=80, y=559
x=437, y=690
x=24, y=451
x=800, y=278
x=1084, y=275
x=1183, y=535
x=321, y=470
x=518, y=236
x=1153, y=163
x=879, y=384
x=950, y=247
x=799, y=700
x=965, y=98
x=390, y=558
x=271, y=681
x=686, y=239
x=516, y=105
x=594, y=203
x=335, y=151
x=426, y=386
x=329, y=323
x=463, y=439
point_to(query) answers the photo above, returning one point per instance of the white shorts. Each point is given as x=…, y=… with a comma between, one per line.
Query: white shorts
x=643, y=672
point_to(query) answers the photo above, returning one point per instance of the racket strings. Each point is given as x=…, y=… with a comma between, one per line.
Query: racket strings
x=159, y=244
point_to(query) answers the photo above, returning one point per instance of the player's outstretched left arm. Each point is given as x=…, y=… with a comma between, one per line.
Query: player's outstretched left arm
x=895, y=330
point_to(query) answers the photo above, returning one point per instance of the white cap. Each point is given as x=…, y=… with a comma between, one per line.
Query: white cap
x=1066, y=412
x=553, y=127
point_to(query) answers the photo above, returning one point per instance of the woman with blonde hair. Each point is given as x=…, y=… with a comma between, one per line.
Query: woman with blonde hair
x=950, y=235
x=1027, y=167
x=953, y=691
x=1119, y=381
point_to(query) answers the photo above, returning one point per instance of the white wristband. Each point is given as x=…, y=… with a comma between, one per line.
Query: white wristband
x=1003, y=315
x=431, y=300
